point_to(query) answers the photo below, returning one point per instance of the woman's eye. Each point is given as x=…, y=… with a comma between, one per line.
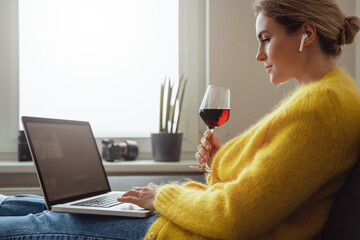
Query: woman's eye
x=265, y=40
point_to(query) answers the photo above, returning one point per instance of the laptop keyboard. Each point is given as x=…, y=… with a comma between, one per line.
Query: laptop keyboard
x=105, y=201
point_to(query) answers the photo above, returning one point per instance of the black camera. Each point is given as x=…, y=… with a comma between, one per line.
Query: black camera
x=111, y=150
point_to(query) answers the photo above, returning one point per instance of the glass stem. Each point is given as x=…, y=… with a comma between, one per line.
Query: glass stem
x=207, y=168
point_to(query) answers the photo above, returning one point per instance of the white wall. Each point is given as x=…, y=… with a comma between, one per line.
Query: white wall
x=348, y=57
x=232, y=49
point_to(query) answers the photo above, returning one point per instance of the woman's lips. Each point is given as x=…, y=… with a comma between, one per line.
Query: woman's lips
x=268, y=68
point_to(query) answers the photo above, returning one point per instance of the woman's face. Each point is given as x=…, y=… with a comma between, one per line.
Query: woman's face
x=278, y=50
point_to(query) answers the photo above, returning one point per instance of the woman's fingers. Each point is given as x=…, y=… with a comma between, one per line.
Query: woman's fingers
x=206, y=144
x=129, y=199
x=133, y=193
x=141, y=196
x=213, y=141
x=210, y=144
x=202, y=155
x=199, y=158
x=207, y=134
x=151, y=184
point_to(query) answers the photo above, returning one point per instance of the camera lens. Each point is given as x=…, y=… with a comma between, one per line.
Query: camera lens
x=132, y=150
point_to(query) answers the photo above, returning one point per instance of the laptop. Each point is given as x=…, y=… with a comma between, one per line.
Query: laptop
x=70, y=169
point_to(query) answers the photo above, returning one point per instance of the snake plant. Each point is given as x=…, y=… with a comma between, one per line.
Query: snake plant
x=171, y=99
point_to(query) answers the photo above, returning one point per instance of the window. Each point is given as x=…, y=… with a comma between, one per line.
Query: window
x=190, y=60
x=100, y=61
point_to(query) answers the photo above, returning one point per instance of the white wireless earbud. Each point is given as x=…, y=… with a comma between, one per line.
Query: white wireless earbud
x=304, y=35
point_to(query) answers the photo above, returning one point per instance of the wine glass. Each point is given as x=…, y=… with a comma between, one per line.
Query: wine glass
x=214, y=111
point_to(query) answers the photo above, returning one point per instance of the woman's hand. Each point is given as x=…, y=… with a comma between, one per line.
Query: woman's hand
x=210, y=145
x=142, y=196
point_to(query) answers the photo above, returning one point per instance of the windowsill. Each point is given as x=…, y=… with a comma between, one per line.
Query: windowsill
x=112, y=168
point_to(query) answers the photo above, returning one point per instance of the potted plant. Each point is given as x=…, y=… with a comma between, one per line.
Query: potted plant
x=166, y=144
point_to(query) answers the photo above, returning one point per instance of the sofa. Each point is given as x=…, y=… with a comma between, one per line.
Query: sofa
x=344, y=219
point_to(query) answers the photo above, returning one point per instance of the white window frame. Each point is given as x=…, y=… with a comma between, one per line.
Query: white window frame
x=192, y=62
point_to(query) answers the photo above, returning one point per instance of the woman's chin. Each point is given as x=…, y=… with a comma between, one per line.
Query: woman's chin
x=274, y=81
x=277, y=81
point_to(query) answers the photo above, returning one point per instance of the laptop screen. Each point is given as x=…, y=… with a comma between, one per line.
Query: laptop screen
x=67, y=158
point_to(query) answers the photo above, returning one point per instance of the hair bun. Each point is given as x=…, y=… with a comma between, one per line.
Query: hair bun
x=351, y=28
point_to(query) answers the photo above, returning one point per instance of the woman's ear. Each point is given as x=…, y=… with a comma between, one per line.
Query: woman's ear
x=310, y=31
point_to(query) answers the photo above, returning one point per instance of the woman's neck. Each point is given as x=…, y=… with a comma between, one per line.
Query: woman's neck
x=315, y=67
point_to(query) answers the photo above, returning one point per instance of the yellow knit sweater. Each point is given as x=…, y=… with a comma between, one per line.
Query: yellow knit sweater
x=278, y=179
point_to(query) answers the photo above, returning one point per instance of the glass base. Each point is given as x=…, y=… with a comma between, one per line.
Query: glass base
x=201, y=168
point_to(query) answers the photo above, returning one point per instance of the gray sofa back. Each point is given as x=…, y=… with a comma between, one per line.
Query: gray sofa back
x=344, y=220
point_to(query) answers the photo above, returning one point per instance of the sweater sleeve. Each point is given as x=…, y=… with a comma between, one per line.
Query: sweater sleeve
x=299, y=154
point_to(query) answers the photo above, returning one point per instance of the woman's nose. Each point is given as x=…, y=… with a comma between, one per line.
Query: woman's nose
x=260, y=56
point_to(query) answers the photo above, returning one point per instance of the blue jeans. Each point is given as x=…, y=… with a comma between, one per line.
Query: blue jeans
x=26, y=217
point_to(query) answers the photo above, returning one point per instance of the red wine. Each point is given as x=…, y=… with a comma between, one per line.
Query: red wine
x=214, y=117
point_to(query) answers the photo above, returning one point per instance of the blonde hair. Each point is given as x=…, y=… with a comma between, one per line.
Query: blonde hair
x=334, y=29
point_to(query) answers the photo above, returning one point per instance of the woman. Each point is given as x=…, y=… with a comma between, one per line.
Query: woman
x=278, y=179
